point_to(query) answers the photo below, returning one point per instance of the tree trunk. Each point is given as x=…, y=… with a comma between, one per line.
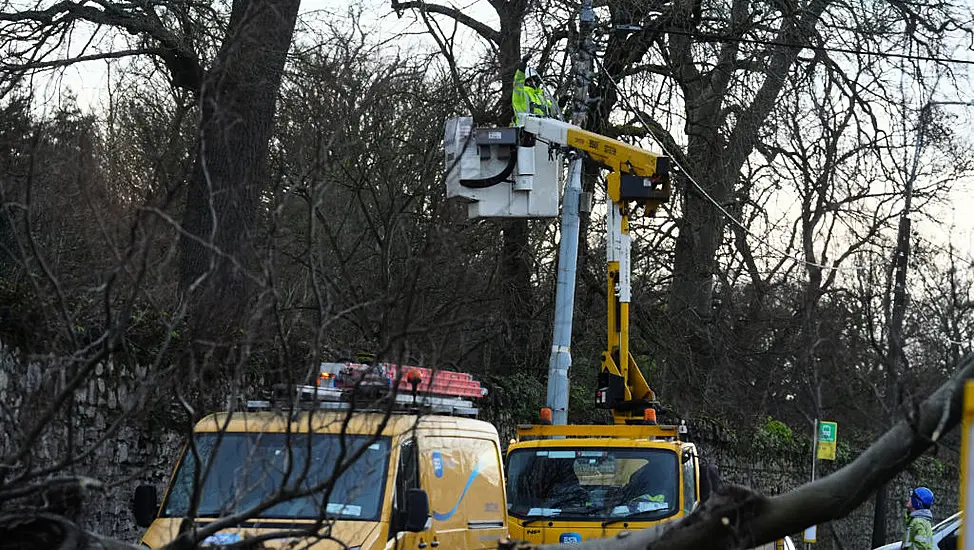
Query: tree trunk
x=716, y=158
x=701, y=229
x=702, y=224
x=879, y=516
x=222, y=216
x=517, y=295
x=515, y=253
x=694, y=262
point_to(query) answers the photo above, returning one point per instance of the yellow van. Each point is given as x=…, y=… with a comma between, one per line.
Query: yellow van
x=402, y=480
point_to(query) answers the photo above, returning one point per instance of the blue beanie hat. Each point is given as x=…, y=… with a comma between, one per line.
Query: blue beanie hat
x=921, y=498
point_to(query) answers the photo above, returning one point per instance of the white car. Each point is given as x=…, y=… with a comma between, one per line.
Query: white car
x=782, y=544
x=944, y=535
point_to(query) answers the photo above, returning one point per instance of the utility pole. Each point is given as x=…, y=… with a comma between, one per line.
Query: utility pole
x=894, y=335
x=808, y=545
x=561, y=358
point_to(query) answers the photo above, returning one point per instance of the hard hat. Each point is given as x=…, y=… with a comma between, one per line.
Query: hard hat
x=531, y=72
x=921, y=498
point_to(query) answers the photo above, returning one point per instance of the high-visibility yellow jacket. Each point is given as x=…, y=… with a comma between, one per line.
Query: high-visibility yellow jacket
x=919, y=531
x=528, y=99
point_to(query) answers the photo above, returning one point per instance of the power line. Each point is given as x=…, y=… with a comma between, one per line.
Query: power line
x=702, y=191
x=954, y=256
x=719, y=38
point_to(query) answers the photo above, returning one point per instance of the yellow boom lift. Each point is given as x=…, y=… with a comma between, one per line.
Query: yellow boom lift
x=637, y=178
x=568, y=483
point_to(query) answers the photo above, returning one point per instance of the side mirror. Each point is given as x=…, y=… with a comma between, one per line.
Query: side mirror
x=417, y=511
x=709, y=480
x=145, y=504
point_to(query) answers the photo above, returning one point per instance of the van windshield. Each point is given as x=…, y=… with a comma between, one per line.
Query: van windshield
x=593, y=484
x=248, y=468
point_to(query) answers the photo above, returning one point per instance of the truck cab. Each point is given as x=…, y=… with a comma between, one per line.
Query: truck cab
x=365, y=479
x=575, y=483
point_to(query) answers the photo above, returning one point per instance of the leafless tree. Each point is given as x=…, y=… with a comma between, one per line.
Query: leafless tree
x=230, y=59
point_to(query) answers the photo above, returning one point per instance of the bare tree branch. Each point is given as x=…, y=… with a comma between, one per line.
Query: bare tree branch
x=182, y=62
x=480, y=28
x=15, y=67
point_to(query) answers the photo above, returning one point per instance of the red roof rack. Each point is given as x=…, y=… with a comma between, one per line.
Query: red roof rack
x=439, y=392
x=431, y=382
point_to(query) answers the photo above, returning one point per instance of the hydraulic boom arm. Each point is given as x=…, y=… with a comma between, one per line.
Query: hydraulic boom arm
x=637, y=178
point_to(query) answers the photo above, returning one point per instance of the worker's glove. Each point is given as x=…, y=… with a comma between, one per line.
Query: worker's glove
x=524, y=62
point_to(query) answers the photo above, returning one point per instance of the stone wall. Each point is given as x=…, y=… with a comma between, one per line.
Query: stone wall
x=772, y=475
x=95, y=425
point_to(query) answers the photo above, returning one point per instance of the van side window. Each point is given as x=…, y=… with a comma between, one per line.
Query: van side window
x=689, y=484
x=407, y=477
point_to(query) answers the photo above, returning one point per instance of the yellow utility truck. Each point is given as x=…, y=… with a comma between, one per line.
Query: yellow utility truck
x=402, y=465
x=571, y=483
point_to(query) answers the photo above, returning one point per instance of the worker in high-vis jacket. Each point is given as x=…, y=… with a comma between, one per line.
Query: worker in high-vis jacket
x=919, y=520
x=528, y=95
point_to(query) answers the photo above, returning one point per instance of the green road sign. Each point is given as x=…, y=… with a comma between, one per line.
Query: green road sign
x=826, y=432
x=826, y=440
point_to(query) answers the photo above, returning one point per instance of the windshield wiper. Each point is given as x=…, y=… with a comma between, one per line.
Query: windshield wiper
x=532, y=520
x=634, y=517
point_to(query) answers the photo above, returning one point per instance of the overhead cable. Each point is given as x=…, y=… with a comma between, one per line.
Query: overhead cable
x=699, y=188
x=716, y=38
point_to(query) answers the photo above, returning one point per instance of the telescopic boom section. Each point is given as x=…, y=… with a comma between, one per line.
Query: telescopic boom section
x=637, y=178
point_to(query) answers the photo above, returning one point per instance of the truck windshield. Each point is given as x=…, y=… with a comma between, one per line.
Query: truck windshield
x=593, y=484
x=248, y=468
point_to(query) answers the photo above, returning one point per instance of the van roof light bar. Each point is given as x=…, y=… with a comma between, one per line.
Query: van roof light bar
x=257, y=405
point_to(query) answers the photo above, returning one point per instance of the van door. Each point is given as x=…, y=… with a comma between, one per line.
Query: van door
x=444, y=473
x=464, y=479
x=407, y=477
x=486, y=504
